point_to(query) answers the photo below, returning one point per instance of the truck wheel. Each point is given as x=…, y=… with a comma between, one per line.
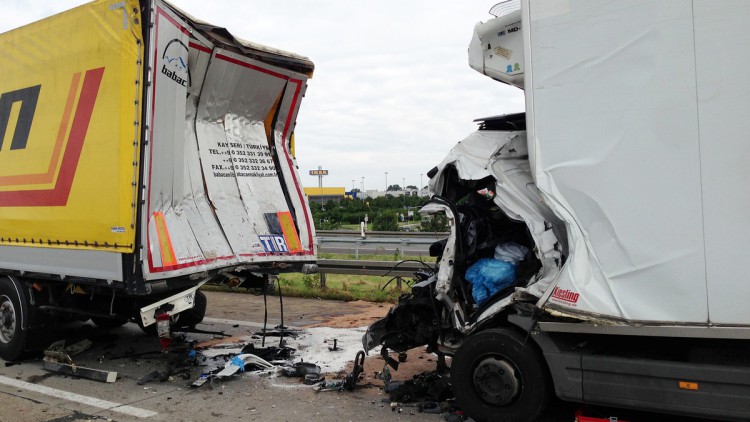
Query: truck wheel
x=497, y=376
x=13, y=313
x=192, y=317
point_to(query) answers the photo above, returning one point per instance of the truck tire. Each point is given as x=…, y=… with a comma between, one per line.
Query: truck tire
x=192, y=317
x=13, y=315
x=498, y=376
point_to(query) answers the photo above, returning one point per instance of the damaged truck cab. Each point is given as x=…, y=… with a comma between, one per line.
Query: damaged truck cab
x=485, y=190
x=596, y=240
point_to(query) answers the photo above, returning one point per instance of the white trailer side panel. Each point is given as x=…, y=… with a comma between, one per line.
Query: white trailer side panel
x=723, y=59
x=611, y=86
x=222, y=188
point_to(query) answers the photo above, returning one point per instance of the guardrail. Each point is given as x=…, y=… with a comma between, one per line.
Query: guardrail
x=403, y=242
x=370, y=234
x=396, y=269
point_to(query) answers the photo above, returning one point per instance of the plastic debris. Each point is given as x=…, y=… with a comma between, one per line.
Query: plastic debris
x=510, y=252
x=488, y=276
x=300, y=369
x=239, y=364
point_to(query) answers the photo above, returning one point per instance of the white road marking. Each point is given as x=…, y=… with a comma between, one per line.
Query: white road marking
x=86, y=400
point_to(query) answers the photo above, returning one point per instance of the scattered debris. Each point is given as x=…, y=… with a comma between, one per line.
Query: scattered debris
x=335, y=347
x=270, y=353
x=239, y=363
x=57, y=359
x=153, y=375
x=427, y=386
x=80, y=371
x=309, y=371
x=350, y=382
x=359, y=366
x=300, y=369
x=279, y=331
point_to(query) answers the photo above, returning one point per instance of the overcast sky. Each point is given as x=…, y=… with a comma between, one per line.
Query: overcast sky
x=392, y=90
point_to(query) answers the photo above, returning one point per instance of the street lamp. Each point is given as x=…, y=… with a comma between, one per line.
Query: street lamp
x=363, y=188
x=386, y=181
x=403, y=189
x=420, y=183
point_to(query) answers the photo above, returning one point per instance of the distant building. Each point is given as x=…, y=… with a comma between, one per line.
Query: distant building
x=338, y=193
x=325, y=194
x=397, y=193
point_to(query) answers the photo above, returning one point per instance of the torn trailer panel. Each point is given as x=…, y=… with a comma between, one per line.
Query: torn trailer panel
x=222, y=184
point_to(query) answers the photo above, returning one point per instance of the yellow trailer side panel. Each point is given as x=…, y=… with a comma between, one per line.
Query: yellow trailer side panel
x=70, y=101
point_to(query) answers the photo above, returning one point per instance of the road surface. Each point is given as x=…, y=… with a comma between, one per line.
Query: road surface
x=29, y=393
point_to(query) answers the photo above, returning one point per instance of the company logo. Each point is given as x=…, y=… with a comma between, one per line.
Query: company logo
x=273, y=243
x=74, y=125
x=175, y=62
x=565, y=295
x=27, y=97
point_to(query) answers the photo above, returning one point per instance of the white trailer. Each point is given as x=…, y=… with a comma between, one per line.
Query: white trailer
x=625, y=178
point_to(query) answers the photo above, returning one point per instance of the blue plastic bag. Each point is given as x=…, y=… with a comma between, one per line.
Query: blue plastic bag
x=488, y=276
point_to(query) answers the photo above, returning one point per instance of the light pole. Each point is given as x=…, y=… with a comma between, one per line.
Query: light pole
x=403, y=189
x=352, y=186
x=386, y=181
x=420, y=183
x=363, y=188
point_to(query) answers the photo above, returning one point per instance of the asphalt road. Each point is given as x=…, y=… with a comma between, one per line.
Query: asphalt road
x=30, y=393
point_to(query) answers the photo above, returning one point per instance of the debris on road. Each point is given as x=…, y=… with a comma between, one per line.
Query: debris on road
x=57, y=359
x=239, y=363
x=309, y=371
x=349, y=383
x=279, y=331
x=309, y=354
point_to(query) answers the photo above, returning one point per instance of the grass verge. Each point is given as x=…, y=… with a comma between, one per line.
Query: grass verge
x=344, y=287
x=338, y=287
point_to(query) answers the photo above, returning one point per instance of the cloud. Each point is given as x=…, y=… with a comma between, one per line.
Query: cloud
x=392, y=89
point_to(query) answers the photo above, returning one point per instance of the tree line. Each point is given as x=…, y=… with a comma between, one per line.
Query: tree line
x=383, y=213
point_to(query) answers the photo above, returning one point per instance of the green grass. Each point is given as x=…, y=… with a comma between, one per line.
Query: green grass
x=350, y=226
x=338, y=287
x=342, y=286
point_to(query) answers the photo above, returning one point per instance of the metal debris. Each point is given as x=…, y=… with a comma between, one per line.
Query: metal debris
x=57, y=359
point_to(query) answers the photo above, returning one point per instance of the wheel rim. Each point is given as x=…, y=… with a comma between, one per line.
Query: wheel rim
x=7, y=319
x=496, y=381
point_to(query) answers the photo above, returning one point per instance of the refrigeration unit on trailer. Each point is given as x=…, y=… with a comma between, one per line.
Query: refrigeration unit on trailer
x=596, y=240
x=143, y=153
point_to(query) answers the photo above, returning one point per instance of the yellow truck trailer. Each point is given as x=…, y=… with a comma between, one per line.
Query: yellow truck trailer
x=143, y=152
